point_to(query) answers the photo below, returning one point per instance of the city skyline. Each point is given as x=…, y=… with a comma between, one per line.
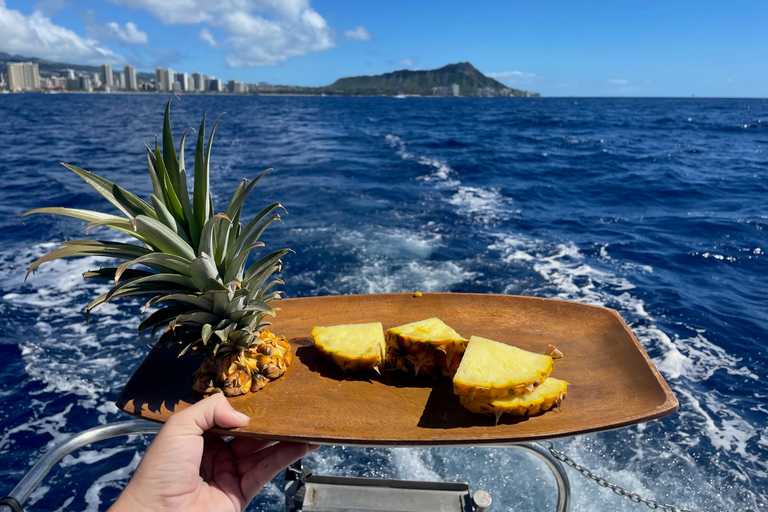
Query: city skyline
x=603, y=48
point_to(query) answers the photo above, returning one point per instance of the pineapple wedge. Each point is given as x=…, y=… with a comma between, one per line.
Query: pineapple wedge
x=354, y=347
x=549, y=393
x=427, y=347
x=494, y=370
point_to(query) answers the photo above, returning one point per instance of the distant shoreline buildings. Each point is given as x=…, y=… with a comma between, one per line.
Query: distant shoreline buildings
x=25, y=77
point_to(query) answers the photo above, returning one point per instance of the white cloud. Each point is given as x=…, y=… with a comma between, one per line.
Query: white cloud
x=359, y=33
x=618, y=81
x=256, y=32
x=409, y=63
x=206, y=37
x=36, y=36
x=112, y=31
x=515, y=77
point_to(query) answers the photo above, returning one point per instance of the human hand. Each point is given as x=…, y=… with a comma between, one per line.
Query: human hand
x=187, y=469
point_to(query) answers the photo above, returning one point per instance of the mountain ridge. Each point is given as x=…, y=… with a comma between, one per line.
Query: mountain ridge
x=471, y=82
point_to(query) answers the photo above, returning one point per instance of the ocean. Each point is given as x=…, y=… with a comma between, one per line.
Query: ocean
x=654, y=207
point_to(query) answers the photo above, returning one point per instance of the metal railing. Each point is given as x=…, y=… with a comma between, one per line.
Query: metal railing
x=35, y=476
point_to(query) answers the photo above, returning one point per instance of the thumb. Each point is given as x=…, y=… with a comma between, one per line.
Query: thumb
x=212, y=411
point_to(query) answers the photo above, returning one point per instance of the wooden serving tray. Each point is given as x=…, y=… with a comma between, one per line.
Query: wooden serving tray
x=612, y=381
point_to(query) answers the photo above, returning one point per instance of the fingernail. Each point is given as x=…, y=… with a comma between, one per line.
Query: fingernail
x=242, y=417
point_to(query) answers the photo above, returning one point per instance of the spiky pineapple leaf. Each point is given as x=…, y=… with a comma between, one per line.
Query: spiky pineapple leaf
x=247, y=232
x=183, y=194
x=203, y=271
x=108, y=274
x=161, y=317
x=157, y=182
x=169, y=152
x=236, y=269
x=125, y=201
x=172, y=200
x=162, y=237
x=87, y=215
x=198, y=301
x=241, y=193
x=76, y=248
x=262, y=264
x=151, y=283
x=158, y=261
x=207, y=239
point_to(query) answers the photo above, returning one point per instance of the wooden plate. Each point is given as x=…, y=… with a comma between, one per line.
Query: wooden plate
x=613, y=382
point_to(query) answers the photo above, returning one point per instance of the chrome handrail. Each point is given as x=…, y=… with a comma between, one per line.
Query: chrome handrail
x=561, y=477
x=35, y=475
x=32, y=479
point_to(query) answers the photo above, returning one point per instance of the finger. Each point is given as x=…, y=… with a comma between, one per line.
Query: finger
x=226, y=476
x=261, y=467
x=212, y=411
x=244, y=446
x=213, y=445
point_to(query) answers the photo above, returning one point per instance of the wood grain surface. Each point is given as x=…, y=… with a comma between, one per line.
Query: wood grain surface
x=612, y=381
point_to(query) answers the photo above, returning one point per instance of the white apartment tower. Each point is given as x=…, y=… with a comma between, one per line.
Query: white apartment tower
x=106, y=75
x=131, y=83
x=198, y=81
x=169, y=80
x=159, y=80
x=23, y=76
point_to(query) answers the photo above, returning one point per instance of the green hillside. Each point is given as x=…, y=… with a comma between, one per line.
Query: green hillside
x=471, y=82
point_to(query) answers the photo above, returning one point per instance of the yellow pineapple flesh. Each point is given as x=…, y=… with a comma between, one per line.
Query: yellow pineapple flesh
x=353, y=347
x=546, y=395
x=427, y=347
x=495, y=370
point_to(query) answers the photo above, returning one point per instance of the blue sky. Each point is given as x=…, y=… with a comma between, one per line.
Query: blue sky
x=598, y=48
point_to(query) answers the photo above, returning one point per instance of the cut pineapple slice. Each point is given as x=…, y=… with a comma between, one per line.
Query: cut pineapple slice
x=494, y=370
x=425, y=347
x=354, y=347
x=549, y=393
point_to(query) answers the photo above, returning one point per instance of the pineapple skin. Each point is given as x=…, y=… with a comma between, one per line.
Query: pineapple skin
x=326, y=341
x=547, y=395
x=427, y=347
x=471, y=390
x=237, y=369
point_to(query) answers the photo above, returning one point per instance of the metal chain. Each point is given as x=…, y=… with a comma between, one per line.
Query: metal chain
x=602, y=482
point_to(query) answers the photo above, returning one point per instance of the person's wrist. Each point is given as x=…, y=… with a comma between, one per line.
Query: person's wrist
x=127, y=502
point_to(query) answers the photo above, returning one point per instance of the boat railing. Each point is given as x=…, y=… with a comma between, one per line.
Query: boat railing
x=337, y=488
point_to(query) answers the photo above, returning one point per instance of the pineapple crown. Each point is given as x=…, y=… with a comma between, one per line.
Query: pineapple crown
x=192, y=262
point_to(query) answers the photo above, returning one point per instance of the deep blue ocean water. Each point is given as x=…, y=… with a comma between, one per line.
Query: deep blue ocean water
x=657, y=208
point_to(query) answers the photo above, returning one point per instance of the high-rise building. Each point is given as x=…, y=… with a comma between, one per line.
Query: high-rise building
x=183, y=80
x=236, y=86
x=215, y=85
x=130, y=78
x=70, y=74
x=198, y=81
x=170, y=79
x=159, y=79
x=85, y=83
x=23, y=76
x=119, y=79
x=106, y=76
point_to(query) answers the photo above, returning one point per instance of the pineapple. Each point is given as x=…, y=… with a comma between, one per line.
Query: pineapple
x=549, y=393
x=192, y=264
x=355, y=347
x=427, y=347
x=491, y=369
